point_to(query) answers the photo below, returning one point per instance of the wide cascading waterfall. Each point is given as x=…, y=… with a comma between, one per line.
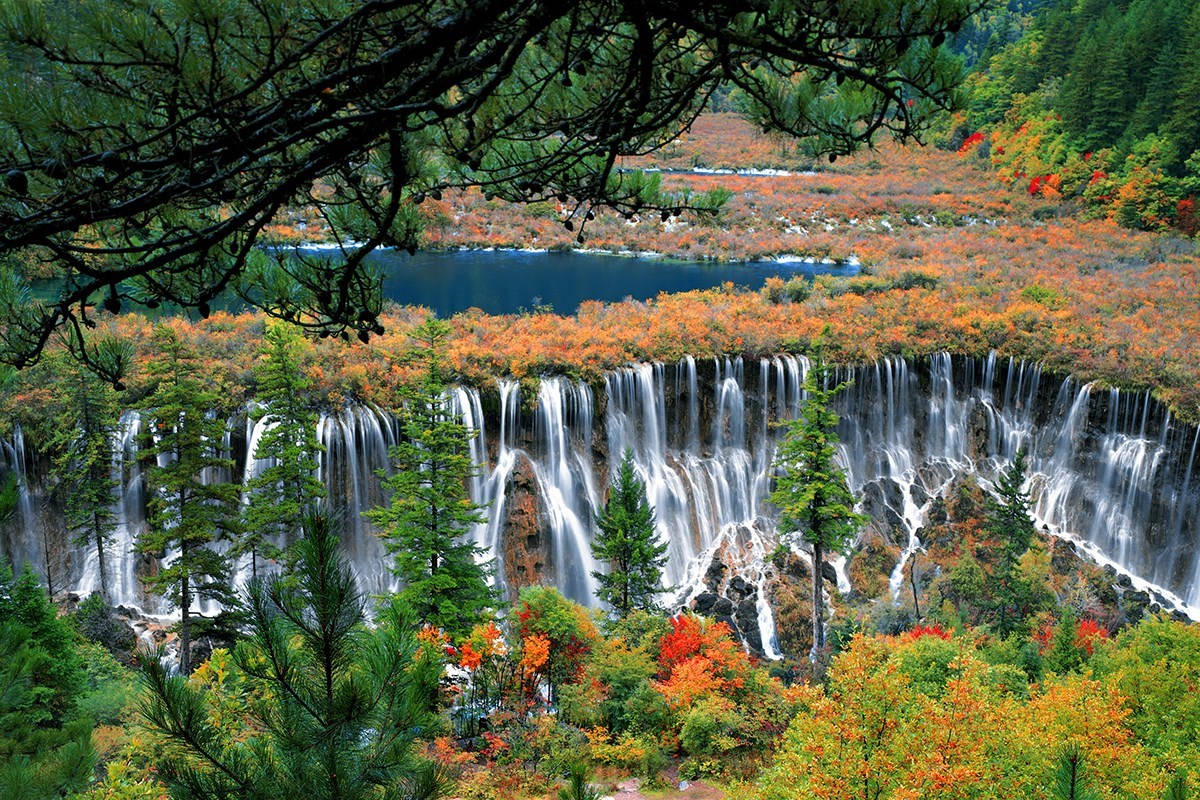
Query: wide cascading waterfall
x=1109, y=469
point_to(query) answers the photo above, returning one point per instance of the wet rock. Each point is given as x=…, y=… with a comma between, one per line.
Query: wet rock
x=704, y=602
x=740, y=587
x=525, y=553
x=747, y=614
x=828, y=572
x=715, y=574
x=723, y=607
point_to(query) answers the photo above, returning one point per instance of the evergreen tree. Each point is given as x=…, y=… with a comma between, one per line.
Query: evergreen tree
x=1070, y=777
x=1009, y=522
x=279, y=497
x=1182, y=126
x=45, y=746
x=189, y=508
x=811, y=492
x=343, y=704
x=39, y=760
x=430, y=512
x=83, y=462
x=1064, y=655
x=58, y=678
x=627, y=540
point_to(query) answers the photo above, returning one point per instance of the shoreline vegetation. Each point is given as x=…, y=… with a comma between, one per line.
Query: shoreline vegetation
x=950, y=260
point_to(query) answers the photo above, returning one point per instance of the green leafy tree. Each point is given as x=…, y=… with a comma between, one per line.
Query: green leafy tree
x=814, y=500
x=342, y=704
x=282, y=493
x=188, y=510
x=38, y=759
x=1009, y=522
x=83, y=462
x=145, y=146
x=626, y=539
x=45, y=746
x=430, y=512
x=10, y=495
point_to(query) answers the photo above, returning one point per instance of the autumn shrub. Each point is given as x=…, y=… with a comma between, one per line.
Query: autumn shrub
x=635, y=754
x=872, y=732
x=711, y=727
x=1155, y=667
x=927, y=662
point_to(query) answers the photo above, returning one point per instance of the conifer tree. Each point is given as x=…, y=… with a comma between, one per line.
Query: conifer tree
x=811, y=491
x=1009, y=522
x=1064, y=655
x=279, y=497
x=430, y=513
x=83, y=461
x=189, y=508
x=627, y=540
x=346, y=703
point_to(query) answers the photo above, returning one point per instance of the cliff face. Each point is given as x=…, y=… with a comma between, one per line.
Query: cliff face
x=1111, y=469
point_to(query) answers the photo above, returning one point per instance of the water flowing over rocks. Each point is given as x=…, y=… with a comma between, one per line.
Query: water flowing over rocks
x=1111, y=470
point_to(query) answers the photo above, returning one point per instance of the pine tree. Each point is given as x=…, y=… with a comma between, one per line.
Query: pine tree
x=1070, y=776
x=39, y=759
x=189, y=508
x=1009, y=522
x=811, y=492
x=347, y=703
x=430, y=512
x=1064, y=655
x=83, y=461
x=279, y=497
x=627, y=540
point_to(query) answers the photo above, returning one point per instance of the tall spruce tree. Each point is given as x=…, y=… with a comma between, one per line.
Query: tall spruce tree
x=429, y=514
x=83, y=462
x=279, y=497
x=345, y=706
x=189, y=508
x=627, y=541
x=814, y=499
x=1009, y=522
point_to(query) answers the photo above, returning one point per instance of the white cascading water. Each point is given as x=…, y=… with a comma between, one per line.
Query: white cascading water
x=1110, y=470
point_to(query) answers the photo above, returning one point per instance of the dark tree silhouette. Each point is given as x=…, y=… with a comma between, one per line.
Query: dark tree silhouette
x=145, y=145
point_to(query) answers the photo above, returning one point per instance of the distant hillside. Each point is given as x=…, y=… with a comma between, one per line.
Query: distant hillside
x=1100, y=99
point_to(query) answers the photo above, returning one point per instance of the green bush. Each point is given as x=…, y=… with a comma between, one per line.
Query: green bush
x=711, y=728
x=97, y=621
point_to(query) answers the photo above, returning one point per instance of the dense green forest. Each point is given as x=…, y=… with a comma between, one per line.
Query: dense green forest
x=1095, y=99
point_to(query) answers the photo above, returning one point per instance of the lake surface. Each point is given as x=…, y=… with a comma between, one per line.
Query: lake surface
x=508, y=281
x=511, y=281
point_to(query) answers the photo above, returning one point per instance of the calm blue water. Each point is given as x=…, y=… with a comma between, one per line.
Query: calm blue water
x=504, y=282
x=507, y=282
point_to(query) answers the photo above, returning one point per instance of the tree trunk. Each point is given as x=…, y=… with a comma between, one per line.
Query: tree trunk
x=818, y=606
x=100, y=559
x=185, y=632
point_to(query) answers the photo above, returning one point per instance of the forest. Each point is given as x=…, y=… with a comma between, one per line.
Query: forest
x=926, y=529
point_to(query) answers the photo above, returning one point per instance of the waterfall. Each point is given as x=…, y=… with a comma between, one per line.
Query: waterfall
x=1109, y=469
